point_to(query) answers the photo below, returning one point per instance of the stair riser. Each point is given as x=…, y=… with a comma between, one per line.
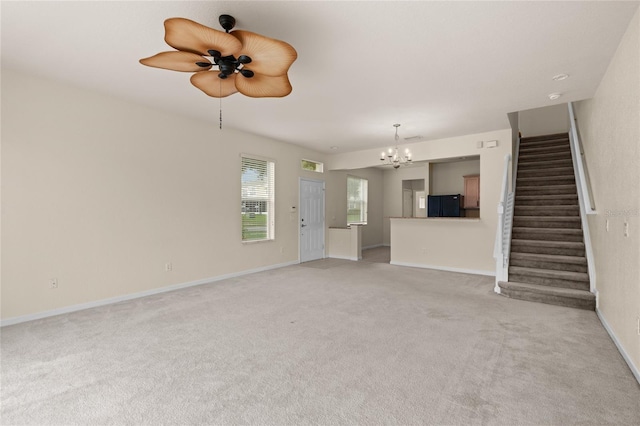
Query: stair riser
x=541, y=211
x=570, y=201
x=539, y=165
x=544, y=180
x=529, y=158
x=558, y=147
x=547, y=236
x=532, y=223
x=551, y=282
x=550, y=300
x=558, y=172
x=565, y=251
x=555, y=276
x=548, y=265
x=546, y=190
x=544, y=138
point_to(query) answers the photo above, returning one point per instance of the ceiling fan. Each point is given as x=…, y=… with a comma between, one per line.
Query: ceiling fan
x=246, y=62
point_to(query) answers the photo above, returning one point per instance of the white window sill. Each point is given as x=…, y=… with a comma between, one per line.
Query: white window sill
x=258, y=241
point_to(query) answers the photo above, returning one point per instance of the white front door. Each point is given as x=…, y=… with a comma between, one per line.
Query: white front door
x=311, y=220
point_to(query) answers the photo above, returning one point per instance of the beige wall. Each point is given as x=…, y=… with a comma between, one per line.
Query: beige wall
x=393, y=192
x=336, y=191
x=469, y=244
x=448, y=178
x=544, y=121
x=101, y=194
x=451, y=244
x=491, y=168
x=609, y=125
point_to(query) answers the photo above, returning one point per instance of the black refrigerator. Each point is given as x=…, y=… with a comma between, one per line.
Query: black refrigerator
x=444, y=205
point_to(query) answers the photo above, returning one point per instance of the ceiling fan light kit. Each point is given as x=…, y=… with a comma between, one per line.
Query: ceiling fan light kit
x=227, y=62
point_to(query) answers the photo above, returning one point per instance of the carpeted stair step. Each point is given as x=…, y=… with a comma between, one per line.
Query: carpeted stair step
x=547, y=200
x=547, y=222
x=531, y=158
x=545, y=137
x=580, y=299
x=546, y=189
x=565, y=248
x=560, y=147
x=545, y=180
x=546, y=210
x=547, y=234
x=553, y=171
x=550, y=277
x=525, y=147
x=538, y=165
x=549, y=261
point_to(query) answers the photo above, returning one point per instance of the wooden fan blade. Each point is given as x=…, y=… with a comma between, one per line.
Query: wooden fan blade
x=176, y=61
x=269, y=56
x=189, y=36
x=212, y=85
x=264, y=86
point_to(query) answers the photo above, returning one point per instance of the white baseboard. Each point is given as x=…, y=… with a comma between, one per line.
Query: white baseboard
x=373, y=246
x=116, y=299
x=344, y=258
x=634, y=369
x=446, y=268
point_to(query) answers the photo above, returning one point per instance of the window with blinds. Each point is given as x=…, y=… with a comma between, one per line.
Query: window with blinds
x=357, y=194
x=258, y=199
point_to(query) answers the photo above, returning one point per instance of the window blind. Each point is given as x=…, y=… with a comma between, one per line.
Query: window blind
x=357, y=195
x=258, y=199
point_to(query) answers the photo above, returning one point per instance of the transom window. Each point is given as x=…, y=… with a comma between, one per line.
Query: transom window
x=313, y=166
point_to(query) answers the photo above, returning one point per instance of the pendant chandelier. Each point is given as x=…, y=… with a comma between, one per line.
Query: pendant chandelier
x=392, y=157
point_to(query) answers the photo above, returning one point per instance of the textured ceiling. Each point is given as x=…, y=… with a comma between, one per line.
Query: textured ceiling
x=439, y=68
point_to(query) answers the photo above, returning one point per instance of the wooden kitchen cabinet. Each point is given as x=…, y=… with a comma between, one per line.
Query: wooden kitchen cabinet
x=471, y=191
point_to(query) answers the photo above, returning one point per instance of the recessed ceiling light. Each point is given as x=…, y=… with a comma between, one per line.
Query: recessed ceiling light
x=560, y=77
x=333, y=148
x=554, y=96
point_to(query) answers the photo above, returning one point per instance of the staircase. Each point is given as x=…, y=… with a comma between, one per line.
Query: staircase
x=547, y=262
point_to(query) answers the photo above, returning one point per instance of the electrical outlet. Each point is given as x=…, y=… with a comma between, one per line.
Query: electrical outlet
x=168, y=267
x=606, y=225
x=626, y=229
x=53, y=283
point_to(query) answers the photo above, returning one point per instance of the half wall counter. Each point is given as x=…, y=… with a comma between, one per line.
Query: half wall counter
x=459, y=244
x=345, y=243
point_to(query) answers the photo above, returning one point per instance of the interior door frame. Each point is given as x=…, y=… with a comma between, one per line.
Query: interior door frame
x=324, y=219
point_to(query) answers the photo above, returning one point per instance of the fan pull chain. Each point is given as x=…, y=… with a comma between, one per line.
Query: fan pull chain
x=220, y=104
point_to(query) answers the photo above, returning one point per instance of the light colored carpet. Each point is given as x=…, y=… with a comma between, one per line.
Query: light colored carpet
x=357, y=343
x=325, y=263
x=377, y=255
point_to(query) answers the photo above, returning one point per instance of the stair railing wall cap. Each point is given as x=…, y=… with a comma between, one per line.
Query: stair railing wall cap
x=499, y=255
